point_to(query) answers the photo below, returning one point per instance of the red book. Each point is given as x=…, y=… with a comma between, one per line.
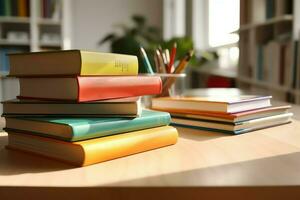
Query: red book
x=90, y=88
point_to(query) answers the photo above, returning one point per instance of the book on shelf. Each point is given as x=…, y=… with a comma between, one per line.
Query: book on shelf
x=91, y=88
x=75, y=129
x=234, y=128
x=96, y=150
x=50, y=9
x=125, y=107
x=223, y=104
x=16, y=8
x=270, y=8
x=72, y=62
x=232, y=117
x=259, y=9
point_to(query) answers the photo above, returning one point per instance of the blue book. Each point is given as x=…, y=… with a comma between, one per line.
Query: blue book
x=75, y=129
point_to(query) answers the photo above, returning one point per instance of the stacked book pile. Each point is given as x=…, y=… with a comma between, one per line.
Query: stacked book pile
x=83, y=107
x=226, y=114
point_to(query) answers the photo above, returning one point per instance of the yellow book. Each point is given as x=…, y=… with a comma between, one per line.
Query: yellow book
x=72, y=62
x=97, y=150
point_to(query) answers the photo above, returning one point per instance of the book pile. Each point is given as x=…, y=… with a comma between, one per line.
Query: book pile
x=83, y=107
x=226, y=114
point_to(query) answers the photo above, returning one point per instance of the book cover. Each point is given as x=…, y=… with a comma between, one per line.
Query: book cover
x=97, y=150
x=72, y=62
x=219, y=103
x=124, y=107
x=75, y=129
x=236, y=126
x=231, y=117
x=90, y=88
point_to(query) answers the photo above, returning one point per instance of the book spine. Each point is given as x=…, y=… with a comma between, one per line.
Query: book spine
x=87, y=131
x=99, y=88
x=22, y=11
x=14, y=8
x=2, y=7
x=7, y=7
x=108, y=64
x=127, y=144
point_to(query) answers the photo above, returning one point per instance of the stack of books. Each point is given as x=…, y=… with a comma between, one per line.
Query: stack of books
x=226, y=114
x=83, y=107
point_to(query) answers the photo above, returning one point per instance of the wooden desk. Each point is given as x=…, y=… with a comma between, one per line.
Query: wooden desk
x=201, y=164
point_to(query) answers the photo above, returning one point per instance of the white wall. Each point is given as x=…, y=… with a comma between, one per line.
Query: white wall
x=93, y=19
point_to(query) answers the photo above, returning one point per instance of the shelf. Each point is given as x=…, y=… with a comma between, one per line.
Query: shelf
x=23, y=20
x=43, y=44
x=51, y=22
x=284, y=18
x=10, y=43
x=270, y=86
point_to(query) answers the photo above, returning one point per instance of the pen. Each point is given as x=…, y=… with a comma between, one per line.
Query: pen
x=181, y=66
x=146, y=61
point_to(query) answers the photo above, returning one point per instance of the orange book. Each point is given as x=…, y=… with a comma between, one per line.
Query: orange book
x=229, y=117
x=22, y=8
x=97, y=150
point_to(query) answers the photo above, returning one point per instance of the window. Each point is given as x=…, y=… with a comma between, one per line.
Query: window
x=223, y=18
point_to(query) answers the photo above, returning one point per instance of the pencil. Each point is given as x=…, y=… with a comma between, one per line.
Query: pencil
x=172, y=57
x=181, y=66
x=146, y=61
x=156, y=61
x=162, y=68
x=167, y=53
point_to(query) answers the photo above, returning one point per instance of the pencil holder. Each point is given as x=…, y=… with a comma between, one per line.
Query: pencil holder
x=172, y=85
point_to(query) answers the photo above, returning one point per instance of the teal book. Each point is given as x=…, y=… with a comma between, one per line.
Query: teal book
x=270, y=9
x=76, y=129
x=2, y=6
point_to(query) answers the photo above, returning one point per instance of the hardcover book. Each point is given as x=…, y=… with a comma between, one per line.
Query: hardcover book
x=91, y=88
x=232, y=117
x=75, y=129
x=223, y=104
x=95, y=150
x=234, y=128
x=72, y=62
x=125, y=107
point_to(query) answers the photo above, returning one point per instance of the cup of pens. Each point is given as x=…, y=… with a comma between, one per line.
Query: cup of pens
x=172, y=74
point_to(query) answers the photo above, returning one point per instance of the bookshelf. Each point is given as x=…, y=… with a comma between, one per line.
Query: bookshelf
x=31, y=25
x=269, y=56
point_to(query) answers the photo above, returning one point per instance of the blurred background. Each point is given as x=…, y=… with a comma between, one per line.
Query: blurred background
x=249, y=44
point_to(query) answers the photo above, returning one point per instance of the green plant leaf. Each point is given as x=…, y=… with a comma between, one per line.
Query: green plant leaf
x=109, y=37
x=139, y=20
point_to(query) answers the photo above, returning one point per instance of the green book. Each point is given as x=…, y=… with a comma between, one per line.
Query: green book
x=75, y=129
x=7, y=7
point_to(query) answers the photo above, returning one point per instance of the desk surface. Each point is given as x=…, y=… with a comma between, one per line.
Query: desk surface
x=269, y=157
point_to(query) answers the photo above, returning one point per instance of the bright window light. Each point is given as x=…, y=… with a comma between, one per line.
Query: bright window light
x=224, y=18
